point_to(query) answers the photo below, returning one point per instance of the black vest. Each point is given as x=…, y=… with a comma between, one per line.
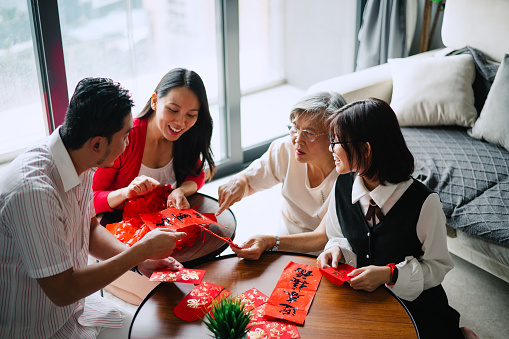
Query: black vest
x=393, y=238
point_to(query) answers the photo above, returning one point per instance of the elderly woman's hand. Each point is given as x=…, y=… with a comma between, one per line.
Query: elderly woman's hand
x=253, y=248
x=231, y=192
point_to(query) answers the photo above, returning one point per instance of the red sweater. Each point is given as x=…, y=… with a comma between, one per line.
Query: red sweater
x=126, y=168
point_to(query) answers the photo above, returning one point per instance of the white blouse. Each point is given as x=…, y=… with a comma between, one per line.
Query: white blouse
x=415, y=274
x=303, y=207
x=165, y=175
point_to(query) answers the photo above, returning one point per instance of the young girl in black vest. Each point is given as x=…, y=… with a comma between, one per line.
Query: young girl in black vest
x=387, y=224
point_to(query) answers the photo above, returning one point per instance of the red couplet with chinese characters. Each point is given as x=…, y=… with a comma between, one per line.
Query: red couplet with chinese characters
x=294, y=292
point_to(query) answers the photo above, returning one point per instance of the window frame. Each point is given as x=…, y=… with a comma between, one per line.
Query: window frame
x=48, y=47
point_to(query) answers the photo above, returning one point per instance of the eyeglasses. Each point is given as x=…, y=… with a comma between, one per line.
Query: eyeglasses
x=333, y=143
x=306, y=135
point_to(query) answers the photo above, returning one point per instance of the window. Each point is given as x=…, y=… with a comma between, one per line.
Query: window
x=137, y=42
x=266, y=98
x=256, y=58
x=20, y=100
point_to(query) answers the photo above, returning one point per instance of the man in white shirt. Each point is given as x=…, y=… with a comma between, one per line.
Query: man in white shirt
x=48, y=225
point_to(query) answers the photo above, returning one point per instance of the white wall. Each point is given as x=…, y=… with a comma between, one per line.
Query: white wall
x=320, y=38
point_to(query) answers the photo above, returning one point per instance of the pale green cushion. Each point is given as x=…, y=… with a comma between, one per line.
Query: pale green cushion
x=493, y=122
x=434, y=91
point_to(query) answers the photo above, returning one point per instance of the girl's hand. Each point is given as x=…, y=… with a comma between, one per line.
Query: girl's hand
x=178, y=200
x=329, y=257
x=140, y=186
x=370, y=277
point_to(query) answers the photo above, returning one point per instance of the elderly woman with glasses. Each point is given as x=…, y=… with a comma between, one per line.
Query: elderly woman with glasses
x=303, y=164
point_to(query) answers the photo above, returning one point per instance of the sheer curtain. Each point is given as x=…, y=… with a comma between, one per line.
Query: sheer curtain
x=383, y=33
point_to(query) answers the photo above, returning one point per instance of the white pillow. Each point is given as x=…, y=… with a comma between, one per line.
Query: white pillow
x=433, y=91
x=493, y=123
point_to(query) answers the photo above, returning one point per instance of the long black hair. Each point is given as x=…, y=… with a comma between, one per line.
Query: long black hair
x=373, y=120
x=194, y=144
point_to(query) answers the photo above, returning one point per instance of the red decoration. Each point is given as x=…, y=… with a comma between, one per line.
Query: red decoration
x=294, y=292
x=185, y=275
x=144, y=213
x=338, y=275
x=154, y=201
x=262, y=327
x=199, y=301
x=252, y=298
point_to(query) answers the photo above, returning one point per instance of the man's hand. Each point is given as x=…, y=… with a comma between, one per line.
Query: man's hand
x=148, y=266
x=159, y=243
x=329, y=257
x=139, y=186
x=178, y=200
x=253, y=248
x=368, y=278
x=231, y=192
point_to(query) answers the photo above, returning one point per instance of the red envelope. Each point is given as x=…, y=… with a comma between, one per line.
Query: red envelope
x=185, y=275
x=263, y=327
x=252, y=298
x=199, y=301
x=273, y=330
x=338, y=275
x=294, y=292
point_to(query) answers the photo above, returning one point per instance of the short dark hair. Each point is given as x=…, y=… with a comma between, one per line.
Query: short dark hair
x=373, y=120
x=98, y=107
x=194, y=144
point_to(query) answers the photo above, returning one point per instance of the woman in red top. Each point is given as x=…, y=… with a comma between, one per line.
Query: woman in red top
x=169, y=143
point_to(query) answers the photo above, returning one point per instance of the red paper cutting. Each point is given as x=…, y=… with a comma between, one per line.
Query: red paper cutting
x=338, y=275
x=294, y=292
x=199, y=301
x=133, y=227
x=153, y=201
x=185, y=275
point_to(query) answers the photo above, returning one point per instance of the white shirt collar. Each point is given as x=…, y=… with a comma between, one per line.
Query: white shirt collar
x=380, y=194
x=63, y=161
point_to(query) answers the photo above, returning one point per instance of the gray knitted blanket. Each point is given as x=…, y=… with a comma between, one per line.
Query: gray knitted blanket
x=470, y=176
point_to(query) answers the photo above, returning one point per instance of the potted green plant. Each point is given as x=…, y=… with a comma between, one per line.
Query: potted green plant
x=228, y=319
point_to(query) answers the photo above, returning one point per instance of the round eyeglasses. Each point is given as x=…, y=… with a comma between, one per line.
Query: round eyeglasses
x=333, y=143
x=306, y=135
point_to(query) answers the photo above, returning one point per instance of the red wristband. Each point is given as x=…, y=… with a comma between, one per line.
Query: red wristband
x=392, y=266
